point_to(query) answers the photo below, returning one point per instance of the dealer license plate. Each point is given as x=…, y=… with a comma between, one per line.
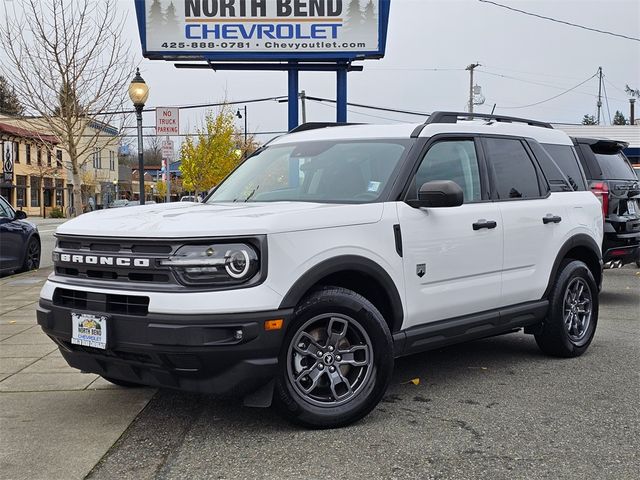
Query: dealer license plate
x=632, y=207
x=89, y=330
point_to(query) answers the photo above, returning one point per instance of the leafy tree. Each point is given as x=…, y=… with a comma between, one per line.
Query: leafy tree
x=211, y=154
x=68, y=104
x=9, y=102
x=161, y=190
x=589, y=120
x=618, y=118
x=369, y=12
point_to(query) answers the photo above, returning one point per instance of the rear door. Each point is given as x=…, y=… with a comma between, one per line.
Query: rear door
x=535, y=220
x=11, y=241
x=452, y=256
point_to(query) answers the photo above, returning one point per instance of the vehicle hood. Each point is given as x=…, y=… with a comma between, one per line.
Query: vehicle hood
x=185, y=219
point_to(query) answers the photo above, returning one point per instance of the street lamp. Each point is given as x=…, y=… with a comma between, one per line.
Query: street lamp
x=138, y=93
x=115, y=189
x=239, y=115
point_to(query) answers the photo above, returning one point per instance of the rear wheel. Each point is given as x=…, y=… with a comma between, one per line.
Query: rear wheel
x=573, y=312
x=336, y=360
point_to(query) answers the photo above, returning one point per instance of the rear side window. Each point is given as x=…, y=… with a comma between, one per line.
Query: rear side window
x=565, y=157
x=515, y=174
x=615, y=166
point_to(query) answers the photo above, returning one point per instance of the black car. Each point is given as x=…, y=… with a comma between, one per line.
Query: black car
x=612, y=179
x=19, y=240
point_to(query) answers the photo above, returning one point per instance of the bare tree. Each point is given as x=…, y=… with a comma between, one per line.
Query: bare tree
x=71, y=70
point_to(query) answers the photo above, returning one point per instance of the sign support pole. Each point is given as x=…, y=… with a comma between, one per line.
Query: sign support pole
x=293, y=95
x=341, y=93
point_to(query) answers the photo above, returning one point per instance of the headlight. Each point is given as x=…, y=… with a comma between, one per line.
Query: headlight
x=214, y=264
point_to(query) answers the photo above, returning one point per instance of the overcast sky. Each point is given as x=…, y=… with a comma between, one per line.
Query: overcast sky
x=542, y=58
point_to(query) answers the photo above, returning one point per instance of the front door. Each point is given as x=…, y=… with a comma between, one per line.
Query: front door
x=452, y=255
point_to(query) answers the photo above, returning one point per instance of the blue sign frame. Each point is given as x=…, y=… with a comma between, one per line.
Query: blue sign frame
x=383, y=23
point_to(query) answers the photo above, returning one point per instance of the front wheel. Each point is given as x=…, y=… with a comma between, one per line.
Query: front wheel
x=336, y=360
x=573, y=312
x=31, y=256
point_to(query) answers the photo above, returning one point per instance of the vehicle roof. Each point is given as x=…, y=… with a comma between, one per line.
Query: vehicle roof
x=405, y=131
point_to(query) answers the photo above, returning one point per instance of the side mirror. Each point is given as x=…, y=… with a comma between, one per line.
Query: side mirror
x=20, y=215
x=439, y=193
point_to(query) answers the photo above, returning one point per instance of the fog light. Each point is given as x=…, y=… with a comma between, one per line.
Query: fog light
x=238, y=335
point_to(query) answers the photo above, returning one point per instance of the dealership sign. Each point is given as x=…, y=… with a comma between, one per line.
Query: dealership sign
x=263, y=29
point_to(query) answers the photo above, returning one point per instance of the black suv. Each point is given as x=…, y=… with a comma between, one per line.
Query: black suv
x=612, y=179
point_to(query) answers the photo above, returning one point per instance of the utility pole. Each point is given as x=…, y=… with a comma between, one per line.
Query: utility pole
x=599, y=92
x=471, y=68
x=303, y=100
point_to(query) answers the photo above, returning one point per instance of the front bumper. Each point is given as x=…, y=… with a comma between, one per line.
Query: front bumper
x=199, y=353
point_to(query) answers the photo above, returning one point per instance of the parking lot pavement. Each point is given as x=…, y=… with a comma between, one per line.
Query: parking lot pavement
x=55, y=422
x=495, y=408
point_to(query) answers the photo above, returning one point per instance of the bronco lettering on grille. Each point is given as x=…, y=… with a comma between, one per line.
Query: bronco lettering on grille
x=102, y=260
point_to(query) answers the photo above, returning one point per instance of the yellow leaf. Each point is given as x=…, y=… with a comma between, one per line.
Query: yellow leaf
x=12, y=322
x=414, y=381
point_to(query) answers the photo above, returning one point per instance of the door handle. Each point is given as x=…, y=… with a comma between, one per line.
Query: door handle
x=484, y=224
x=551, y=219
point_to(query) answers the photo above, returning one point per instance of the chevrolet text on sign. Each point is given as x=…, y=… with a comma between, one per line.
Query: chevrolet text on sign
x=167, y=121
x=276, y=27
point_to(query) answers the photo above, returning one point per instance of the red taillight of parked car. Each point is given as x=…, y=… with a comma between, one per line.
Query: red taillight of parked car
x=601, y=191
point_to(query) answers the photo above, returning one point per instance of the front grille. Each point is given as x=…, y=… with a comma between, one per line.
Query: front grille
x=101, y=302
x=135, y=248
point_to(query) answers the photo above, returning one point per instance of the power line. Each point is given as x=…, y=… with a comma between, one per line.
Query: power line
x=200, y=105
x=605, y=32
x=372, y=107
x=554, y=97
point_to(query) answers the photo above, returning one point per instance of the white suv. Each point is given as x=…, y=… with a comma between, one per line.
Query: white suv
x=328, y=253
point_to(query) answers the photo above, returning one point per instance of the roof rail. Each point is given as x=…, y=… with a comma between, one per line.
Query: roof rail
x=316, y=125
x=452, y=117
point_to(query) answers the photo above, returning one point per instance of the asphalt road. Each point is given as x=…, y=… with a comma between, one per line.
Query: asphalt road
x=490, y=409
x=47, y=241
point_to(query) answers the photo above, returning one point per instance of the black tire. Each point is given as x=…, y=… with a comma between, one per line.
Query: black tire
x=122, y=383
x=566, y=332
x=31, y=256
x=350, y=383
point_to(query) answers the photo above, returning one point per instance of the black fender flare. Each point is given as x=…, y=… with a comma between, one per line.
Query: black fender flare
x=579, y=240
x=344, y=263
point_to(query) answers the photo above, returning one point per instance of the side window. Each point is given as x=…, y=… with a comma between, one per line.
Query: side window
x=454, y=160
x=5, y=210
x=567, y=160
x=515, y=174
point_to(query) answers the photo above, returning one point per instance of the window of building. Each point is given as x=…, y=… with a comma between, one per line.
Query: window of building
x=35, y=192
x=96, y=158
x=112, y=160
x=39, y=156
x=48, y=192
x=48, y=157
x=515, y=174
x=28, y=149
x=60, y=193
x=59, y=158
x=16, y=153
x=453, y=160
x=21, y=191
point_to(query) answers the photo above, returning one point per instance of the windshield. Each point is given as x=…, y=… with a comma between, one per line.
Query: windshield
x=324, y=172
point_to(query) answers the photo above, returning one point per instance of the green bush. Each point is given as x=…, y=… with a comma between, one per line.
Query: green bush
x=56, y=213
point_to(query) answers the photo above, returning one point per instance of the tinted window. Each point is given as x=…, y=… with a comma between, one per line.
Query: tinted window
x=514, y=171
x=565, y=158
x=615, y=166
x=451, y=160
x=5, y=209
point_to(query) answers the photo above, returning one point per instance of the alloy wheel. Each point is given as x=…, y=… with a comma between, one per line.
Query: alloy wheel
x=577, y=309
x=329, y=360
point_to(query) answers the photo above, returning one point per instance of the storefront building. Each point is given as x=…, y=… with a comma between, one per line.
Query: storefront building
x=33, y=174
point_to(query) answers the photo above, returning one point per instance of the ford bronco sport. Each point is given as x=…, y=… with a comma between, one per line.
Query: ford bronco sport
x=327, y=254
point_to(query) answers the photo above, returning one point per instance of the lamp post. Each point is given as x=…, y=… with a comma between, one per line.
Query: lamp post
x=239, y=115
x=138, y=93
x=115, y=190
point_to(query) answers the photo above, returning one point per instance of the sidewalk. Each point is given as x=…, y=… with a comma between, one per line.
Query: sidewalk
x=55, y=422
x=42, y=222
